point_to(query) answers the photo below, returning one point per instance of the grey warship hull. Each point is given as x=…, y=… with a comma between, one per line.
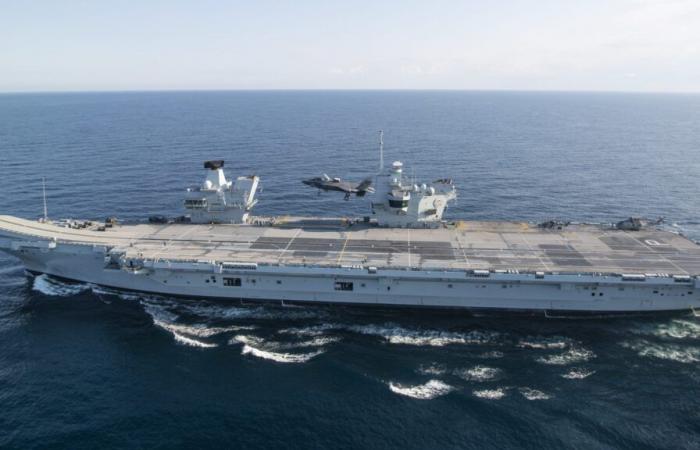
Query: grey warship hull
x=492, y=266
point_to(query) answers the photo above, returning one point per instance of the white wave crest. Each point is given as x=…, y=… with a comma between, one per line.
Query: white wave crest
x=578, y=374
x=55, y=288
x=212, y=311
x=101, y=290
x=253, y=346
x=571, y=356
x=159, y=311
x=490, y=394
x=677, y=329
x=541, y=342
x=201, y=330
x=191, y=342
x=398, y=335
x=478, y=373
x=427, y=391
x=176, y=331
x=533, y=394
x=669, y=352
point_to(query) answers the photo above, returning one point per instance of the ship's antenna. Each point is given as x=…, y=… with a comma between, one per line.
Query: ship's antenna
x=381, y=151
x=43, y=189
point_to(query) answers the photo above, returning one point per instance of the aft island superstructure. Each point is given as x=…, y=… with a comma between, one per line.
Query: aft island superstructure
x=403, y=254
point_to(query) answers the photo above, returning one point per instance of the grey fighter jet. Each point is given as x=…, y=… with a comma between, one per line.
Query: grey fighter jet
x=326, y=183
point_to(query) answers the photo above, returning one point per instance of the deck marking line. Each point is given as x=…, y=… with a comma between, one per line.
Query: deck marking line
x=683, y=272
x=546, y=267
x=289, y=244
x=461, y=247
x=342, y=251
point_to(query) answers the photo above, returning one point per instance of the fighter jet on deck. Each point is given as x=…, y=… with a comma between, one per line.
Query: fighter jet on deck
x=326, y=183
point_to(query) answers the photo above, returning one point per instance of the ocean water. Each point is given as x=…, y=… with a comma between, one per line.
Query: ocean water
x=84, y=367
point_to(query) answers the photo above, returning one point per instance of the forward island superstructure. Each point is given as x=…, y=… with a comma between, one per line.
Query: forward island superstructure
x=401, y=255
x=218, y=200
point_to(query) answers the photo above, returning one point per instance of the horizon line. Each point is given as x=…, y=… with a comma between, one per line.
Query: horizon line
x=214, y=90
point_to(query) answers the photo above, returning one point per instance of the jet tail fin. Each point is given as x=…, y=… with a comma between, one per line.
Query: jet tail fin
x=364, y=187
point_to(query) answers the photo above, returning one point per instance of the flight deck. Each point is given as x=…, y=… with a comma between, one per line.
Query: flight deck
x=504, y=246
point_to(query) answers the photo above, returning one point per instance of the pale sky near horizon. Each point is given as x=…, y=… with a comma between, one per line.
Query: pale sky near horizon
x=613, y=45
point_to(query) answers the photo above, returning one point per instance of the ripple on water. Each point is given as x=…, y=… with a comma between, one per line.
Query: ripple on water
x=670, y=352
x=578, y=373
x=432, y=369
x=213, y=311
x=478, y=373
x=395, y=334
x=541, y=342
x=675, y=329
x=495, y=354
x=11, y=270
x=570, y=356
x=533, y=394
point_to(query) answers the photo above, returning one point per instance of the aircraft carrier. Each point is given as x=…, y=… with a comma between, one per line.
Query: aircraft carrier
x=401, y=255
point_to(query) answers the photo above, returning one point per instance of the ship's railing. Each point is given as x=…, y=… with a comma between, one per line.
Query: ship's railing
x=493, y=274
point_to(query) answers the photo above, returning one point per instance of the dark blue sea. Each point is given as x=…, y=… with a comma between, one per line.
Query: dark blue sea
x=84, y=368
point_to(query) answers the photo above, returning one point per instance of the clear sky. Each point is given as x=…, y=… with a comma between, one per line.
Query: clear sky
x=616, y=45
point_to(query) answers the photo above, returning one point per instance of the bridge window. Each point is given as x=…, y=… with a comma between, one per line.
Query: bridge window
x=398, y=203
x=343, y=286
x=195, y=204
x=232, y=282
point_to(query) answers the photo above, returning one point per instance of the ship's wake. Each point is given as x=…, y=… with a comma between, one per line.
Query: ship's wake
x=451, y=358
x=396, y=334
x=428, y=391
x=273, y=351
x=55, y=288
x=169, y=315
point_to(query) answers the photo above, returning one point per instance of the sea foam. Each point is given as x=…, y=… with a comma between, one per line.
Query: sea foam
x=570, y=356
x=669, y=352
x=427, y=391
x=398, y=335
x=55, y=288
x=256, y=347
x=478, y=373
x=490, y=394
x=533, y=394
